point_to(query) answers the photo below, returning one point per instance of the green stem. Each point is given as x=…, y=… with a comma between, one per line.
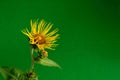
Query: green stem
x=32, y=60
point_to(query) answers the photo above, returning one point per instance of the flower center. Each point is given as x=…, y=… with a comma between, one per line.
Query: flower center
x=39, y=39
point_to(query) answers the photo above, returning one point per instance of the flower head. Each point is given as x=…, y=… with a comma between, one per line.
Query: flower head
x=41, y=36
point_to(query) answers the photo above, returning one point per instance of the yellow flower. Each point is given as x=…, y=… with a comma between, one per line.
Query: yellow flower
x=41, y=36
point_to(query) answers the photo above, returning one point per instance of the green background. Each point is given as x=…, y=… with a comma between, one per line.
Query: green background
x=89, y=43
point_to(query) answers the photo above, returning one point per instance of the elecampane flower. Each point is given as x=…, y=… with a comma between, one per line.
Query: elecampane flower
x=41, y=36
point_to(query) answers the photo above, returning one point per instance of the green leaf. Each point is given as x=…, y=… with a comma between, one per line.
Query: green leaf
x=10, y=73
x=47, y=62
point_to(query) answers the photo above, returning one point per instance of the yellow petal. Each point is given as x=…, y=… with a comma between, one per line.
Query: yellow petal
x=51, y=46
x=52, y=39
x=47, y=29
x=41, y=26
x=52, y=33
x=26, y=32
x=33, y=27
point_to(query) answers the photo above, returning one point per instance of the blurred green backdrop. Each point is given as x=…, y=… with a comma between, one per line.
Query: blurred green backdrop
x=89, y=43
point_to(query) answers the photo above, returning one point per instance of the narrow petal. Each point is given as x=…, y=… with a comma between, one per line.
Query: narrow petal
x=47, y=29
x=52, y=33
x=33, y=27
x=53, y=38
x=27, y=33
x=52, y=46
x=41, y=26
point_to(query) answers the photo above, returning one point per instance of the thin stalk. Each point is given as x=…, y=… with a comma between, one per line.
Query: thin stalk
x=32, y=59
